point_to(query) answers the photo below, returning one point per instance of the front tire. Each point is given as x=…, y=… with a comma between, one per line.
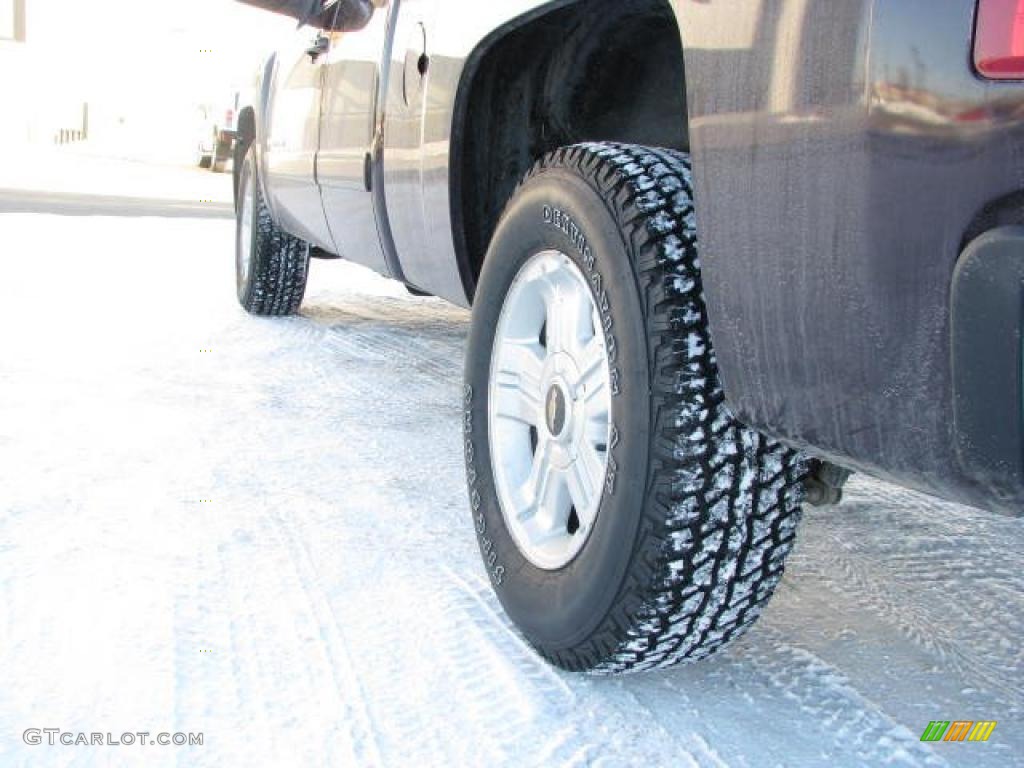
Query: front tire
x=655, y=529
x=271, y=266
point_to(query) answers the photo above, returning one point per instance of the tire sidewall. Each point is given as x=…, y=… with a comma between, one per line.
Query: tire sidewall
x=247, y=184
x=556, y=209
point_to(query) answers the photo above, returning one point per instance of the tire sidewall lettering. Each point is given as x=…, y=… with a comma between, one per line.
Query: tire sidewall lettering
x=553, y=216
x=495, y=570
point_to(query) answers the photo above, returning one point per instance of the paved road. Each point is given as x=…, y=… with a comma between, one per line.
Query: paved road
x=257, y=530
x=83, y=204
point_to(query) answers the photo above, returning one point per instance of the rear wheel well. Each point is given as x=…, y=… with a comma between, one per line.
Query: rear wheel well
x=587, y=71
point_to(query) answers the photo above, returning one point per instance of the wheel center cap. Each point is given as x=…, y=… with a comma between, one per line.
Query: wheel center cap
x=554, y=410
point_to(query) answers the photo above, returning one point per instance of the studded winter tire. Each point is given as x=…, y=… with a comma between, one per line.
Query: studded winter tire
x=625, y=518
x=271, y=265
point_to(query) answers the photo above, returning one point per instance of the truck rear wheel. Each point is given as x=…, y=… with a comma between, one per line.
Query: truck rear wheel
x=271, y=265
x=625, y=518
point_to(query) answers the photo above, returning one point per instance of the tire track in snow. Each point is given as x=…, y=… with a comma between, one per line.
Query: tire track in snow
x=333, y=640
x=279, y=652
x=933, y=625
x=588, y=711
x=423, y=336
x=425, y=665
x=968, y=618
x=837, y=724
x=856, y=724
x=208, y=618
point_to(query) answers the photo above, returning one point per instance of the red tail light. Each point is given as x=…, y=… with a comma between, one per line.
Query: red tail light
x=229, y=118
x=999, y=39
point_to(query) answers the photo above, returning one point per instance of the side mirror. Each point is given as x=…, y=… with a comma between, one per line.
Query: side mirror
x=295, y=9
x=339, y=16
x=352, y=15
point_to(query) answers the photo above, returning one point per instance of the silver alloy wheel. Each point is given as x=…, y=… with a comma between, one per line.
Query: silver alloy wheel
x=549, y=410
x=243, y=249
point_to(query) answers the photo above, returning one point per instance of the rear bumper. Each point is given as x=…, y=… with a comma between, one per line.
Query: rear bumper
x=987, y=302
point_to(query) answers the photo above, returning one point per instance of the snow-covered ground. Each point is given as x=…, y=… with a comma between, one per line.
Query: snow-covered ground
x=257, y=530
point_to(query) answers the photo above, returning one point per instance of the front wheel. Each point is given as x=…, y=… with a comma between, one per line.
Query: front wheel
x=271, y=265
x=626, y=519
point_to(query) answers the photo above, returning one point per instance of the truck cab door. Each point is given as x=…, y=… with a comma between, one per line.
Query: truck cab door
x=349, y=146
x=293, y=135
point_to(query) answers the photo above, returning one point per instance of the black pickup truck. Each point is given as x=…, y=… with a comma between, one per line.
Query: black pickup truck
x=719, y=253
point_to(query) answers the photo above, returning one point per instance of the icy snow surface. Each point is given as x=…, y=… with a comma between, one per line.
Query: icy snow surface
x=287, y=495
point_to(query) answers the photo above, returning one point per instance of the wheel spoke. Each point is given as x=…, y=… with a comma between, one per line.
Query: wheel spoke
x=569, y=323
x=584, y=478
x=538, y=484
x=517, y=380
x=594, y=370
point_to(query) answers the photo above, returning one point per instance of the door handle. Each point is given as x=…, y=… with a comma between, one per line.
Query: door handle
x=417, y=48
x=320, y=46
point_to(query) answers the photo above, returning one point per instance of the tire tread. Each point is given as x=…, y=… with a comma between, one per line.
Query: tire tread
x=722, y=501
x=280, y=265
